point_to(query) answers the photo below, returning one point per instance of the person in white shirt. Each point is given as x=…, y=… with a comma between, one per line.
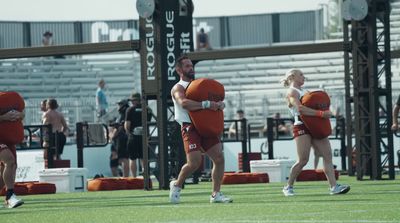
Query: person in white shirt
x=195, y=144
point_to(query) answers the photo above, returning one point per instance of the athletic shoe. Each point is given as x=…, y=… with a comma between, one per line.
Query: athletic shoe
x=339, y=189
x=288, y=191
x=174, y=193
x=13, y=202
x=220, y=198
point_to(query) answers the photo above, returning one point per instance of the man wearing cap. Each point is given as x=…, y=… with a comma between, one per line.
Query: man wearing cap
x=47, y=39
x=119, y=137
x=133, y=127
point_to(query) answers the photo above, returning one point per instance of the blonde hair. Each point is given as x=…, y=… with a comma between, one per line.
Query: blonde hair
x=289, y=76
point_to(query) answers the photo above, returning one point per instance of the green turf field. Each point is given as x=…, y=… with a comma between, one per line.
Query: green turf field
x=368, y=201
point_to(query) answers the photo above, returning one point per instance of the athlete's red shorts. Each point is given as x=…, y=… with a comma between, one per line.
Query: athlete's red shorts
x=299, y=130
x=11, y=148
x=192, y=141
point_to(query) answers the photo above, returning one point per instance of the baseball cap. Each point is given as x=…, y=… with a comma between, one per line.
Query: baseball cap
x=122, y=102
x=136, y=96
x=48, y=33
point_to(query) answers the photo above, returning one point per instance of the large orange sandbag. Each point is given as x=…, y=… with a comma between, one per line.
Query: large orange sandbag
x=319, y=127
x=136, y=183
x=20, y=188
x=307, y=175
x=41, y=188
x=321, y=174
x=11, y=133
x=257, y=178
x=234, y=178
x=99, y=184
x=207, y=122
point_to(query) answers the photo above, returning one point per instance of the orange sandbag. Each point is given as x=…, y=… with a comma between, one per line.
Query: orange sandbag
x=41, y=188
x=257, y=178
x=234, y=178
x=136, y=183
x=115, y=183
x=207, y=122
x=11, y=133
x=321, y=174
x=121, y=183
x=98, y=184
x=319, y=127
x=20, y=188
x=307, y=175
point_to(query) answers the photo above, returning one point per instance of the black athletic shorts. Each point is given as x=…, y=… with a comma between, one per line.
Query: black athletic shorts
x=135, y=147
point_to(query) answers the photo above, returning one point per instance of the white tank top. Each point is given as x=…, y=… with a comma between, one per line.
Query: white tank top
x=293, y=110
x=181, y=114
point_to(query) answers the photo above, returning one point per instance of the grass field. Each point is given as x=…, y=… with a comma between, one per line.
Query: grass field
x=368, y=201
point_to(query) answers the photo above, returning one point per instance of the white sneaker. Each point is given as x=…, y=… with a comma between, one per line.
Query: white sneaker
x=339, y=189
x=174, y=193
x=220, y=198
x=13, y=202
x=288, y=191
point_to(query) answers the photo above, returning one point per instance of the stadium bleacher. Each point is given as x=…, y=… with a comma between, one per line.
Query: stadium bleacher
x=251, y=84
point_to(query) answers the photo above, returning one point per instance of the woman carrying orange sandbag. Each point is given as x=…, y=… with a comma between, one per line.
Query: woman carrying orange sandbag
x=294, y=80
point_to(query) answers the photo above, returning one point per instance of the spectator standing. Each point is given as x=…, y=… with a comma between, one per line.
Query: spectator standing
x=119, y=137
x=43, y=109
x=203, y=42
x=59, y=128
x=134, y=129
x=395, y=115
x=114, y=164
x=101, y=100
x=233, y=131
x=43, y=106
x=47, y=39
x=280, y=126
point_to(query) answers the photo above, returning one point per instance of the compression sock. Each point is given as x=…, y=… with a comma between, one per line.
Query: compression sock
x=9, y=193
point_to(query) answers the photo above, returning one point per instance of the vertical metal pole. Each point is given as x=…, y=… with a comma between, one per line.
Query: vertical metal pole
x=79, y=143
x=342, y=136
x=245, y=155
x=270, y=137
x=348, y=81
x=50, y=151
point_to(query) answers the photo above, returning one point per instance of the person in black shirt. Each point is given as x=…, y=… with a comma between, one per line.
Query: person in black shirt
x=134, y=129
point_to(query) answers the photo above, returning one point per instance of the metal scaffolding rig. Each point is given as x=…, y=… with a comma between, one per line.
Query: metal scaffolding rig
x=164, y=36
x=371, y=97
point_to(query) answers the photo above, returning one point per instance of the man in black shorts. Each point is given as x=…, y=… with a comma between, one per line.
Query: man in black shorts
x=134, y=129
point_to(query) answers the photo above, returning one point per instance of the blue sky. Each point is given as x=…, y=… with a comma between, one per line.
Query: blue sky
x=81, y=10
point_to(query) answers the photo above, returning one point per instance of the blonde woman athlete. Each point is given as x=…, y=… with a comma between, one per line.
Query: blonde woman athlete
x=294, y=80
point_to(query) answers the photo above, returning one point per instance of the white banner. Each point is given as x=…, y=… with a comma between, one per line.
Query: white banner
x=30, y=162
